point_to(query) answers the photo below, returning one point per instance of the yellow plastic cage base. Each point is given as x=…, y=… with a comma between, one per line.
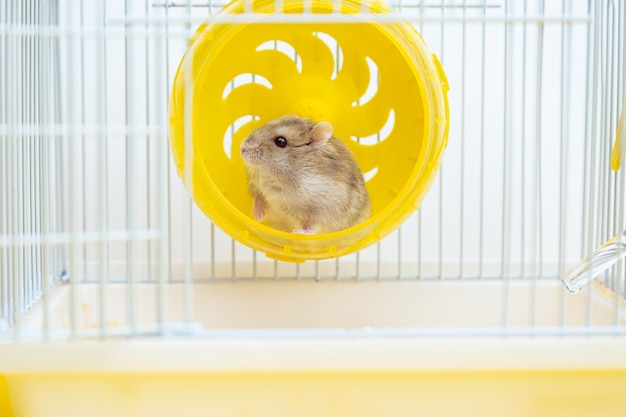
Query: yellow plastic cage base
x=597, y=393
x=377, y=83
x=5, y=402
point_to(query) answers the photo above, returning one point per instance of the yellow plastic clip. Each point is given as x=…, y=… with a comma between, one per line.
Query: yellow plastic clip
x=619, y=148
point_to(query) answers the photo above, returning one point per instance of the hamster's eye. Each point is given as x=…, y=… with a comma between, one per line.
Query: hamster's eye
x=280, y=141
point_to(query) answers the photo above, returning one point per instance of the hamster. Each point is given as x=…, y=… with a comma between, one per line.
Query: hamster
x=303, y=179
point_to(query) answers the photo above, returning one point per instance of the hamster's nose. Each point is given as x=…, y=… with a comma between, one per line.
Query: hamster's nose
x=244, y=149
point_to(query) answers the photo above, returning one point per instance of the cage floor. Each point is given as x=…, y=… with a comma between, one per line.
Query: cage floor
x=285, y=308
x=461, y=308
x=366, y=349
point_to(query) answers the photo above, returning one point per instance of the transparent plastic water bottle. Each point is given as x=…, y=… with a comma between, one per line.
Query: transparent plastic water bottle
x=595, y=264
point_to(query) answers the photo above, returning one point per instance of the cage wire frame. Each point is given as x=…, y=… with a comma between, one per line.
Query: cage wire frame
x=88, y=194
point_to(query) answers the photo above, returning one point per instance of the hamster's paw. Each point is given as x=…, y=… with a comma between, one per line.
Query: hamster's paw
x=258, y=209
x=303, y=232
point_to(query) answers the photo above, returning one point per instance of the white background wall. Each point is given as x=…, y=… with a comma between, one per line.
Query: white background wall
x=110, y=93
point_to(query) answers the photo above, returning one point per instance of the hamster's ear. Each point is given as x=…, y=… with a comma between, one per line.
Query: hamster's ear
x=321, y=133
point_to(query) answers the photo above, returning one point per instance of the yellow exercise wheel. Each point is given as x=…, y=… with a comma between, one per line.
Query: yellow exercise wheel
x=376, y=82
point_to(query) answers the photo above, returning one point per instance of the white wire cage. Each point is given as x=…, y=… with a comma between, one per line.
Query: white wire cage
x=98, y=236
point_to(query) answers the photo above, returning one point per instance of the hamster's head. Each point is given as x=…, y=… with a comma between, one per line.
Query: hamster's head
x=284, y=144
